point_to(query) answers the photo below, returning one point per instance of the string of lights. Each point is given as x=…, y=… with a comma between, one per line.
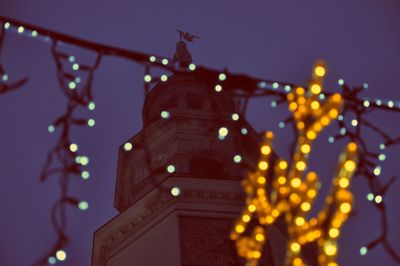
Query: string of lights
x=79, y=94
x=368, y=165
x=5, y=84
x=64, y=159
x=294, y=191
x=369, y=160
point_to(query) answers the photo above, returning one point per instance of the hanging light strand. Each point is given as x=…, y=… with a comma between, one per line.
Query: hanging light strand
x=5, y=84
x=63, y=160
x=242, y=86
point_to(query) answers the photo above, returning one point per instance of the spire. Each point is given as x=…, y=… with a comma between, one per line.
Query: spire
x=182, y=54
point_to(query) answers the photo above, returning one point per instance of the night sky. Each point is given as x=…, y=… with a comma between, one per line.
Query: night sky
x=279, y=40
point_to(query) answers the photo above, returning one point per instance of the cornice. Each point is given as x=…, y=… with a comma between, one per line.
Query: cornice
x=155, y=204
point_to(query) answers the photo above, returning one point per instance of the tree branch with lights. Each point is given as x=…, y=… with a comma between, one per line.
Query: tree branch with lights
x=75, y=81
x=294, y=191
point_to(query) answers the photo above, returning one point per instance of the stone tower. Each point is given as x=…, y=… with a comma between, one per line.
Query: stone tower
x=178, y=189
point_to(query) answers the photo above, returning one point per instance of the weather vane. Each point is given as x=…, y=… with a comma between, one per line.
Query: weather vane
x=187, y=36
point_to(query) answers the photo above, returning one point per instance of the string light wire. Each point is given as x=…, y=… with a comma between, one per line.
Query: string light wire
x=241, y=86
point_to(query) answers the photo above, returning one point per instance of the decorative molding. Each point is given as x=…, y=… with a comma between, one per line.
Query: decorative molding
x=157, y=202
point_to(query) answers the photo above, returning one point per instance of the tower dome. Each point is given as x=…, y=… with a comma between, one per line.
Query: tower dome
x=186, y=93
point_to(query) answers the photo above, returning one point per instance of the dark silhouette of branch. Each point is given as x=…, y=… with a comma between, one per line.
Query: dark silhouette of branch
x=63, y=161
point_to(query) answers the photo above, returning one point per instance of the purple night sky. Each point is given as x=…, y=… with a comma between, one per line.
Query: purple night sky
x=280, y=40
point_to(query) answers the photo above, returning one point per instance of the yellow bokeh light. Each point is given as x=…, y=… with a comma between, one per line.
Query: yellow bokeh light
x=315, y=105
x=325, y=121
x=283, y=164
x=352, y=146
x=295, y=182
x=301, y=165
x=334, y=232
x=61, y=255
x=295, y=247
x=283, y=190
x=297, y=262
x=260, y=237
x=344, y=182
x=265, y=150
x=282, y=180
x=310, y=237
x=345, y=207
x=263, y=165
x=251, y=208
x=317, y=127
x=301, y=100
x=333, y=113
x=305, y=148
x=311, y=135
x=330, y=249
x=336, y=97
x=312, y=193
x=320, y=71
x=292, y=106
x=300, y=91
x=261, y=180
x=305, y=206
x=350, y=165
x=299, y=221
x=256, y=254
x=316, y=88
x=336, y=223
x=269, y=220
x=295, y=198
x=246, y=218
x=269, y=134
x=239, y=228
x=275, y=213
x=312, y=176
